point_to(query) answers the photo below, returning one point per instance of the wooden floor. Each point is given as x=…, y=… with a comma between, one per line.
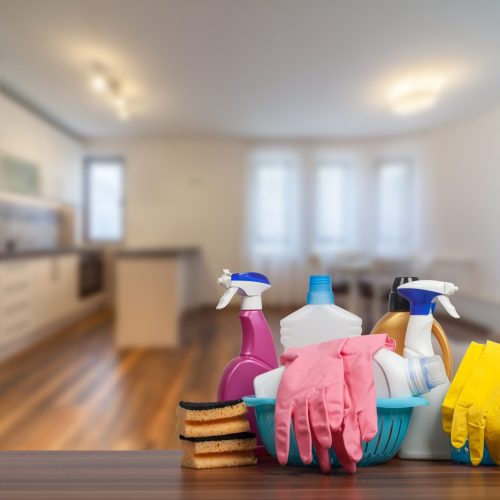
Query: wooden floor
x=73, y=391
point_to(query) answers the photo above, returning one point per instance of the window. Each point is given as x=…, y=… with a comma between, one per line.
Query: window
x=395, y=204
x=332, y=199
x=104, y=188
x=272, y=203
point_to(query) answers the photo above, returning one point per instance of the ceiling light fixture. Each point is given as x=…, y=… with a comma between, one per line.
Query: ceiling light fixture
x=122, y=107
x=99, y=83
x=110, y=88
x=415, y=94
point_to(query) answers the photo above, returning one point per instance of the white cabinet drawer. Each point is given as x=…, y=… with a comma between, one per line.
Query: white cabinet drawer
x=16, y=300
x=15, y=288
x=13, y=273
x=17, y=329
x=12, y=295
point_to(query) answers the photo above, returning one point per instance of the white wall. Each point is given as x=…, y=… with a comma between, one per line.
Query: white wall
x=466, y=198
x=184, y=193
x=192, y=192
x=26, y=136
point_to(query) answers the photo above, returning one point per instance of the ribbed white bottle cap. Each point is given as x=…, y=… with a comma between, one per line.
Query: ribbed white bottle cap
x=436, y=372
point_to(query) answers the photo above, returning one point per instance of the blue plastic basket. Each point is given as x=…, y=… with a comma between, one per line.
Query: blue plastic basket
x=462, y=455
x=393, y=418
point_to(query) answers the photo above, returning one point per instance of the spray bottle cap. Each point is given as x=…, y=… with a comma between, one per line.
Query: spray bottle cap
x=248, y=285
x=423, y=294
x=397, y=303
x=436, y=371
x=425, y=373
x=320, y=289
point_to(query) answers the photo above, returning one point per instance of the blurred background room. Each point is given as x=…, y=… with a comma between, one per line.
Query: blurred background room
x=145, y=145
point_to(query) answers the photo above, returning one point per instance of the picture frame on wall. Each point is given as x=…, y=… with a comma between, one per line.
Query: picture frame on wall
x=19, y=176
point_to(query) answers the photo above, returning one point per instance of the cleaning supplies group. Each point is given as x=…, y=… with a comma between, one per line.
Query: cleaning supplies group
x=330, y=377
x=326, y=385
x=471, y=409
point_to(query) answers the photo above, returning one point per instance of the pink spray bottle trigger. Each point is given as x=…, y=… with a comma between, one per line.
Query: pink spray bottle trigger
x=258, y=354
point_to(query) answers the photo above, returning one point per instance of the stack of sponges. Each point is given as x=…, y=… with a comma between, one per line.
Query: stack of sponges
x=215, y=434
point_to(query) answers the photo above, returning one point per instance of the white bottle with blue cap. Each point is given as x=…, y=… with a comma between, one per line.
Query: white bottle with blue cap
x=425, y=438
x=320, y=320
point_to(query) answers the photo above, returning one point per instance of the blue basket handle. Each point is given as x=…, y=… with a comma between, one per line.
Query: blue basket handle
x=255, y=401
x=410, y=402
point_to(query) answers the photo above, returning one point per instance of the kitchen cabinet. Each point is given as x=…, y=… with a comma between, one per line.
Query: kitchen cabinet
x=36, y=294
x=16, y=300
x=55, y=282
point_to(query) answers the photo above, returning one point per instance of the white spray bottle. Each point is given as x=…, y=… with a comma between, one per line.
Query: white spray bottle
x=425, y=438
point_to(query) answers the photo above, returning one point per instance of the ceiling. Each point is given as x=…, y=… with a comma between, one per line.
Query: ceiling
x=260, y=68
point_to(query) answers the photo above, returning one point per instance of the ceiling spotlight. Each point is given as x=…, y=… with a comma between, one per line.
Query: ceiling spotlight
x=416, y=94
x=106, y=84
x=99, y=83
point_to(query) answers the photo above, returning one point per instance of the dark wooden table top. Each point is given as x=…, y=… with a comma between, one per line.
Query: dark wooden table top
x=157, y=474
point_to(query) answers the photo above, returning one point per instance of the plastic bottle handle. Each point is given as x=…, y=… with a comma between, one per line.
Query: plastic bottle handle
x=444, y=345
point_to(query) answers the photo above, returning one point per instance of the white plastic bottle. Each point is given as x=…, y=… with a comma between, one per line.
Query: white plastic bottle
x=425, y=439
x=320, y=320
x=394, y=376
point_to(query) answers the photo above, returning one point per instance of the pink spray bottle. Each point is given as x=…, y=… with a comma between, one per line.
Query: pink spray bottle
x=258, y=354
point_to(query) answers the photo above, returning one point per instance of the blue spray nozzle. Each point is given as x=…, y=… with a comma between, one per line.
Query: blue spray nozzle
x=320, y=290
x=257, y=277
x=421, y=301
x=422, y=296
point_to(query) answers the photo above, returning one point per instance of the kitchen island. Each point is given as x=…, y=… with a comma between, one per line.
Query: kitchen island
x=154, y=287
x=157, y=475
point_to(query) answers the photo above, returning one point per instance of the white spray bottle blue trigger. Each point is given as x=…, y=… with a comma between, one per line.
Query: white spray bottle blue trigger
x=425, y=439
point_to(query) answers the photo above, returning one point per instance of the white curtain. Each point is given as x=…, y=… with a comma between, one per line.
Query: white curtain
x=273, y=244
x=305, y=214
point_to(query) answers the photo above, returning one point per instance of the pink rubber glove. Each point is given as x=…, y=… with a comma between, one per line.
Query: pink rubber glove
x=311, y=394
x=360, y=406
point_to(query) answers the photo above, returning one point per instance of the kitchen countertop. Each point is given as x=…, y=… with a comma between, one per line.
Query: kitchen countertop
x=33, y=254
x=156, y=253
x=157, y=474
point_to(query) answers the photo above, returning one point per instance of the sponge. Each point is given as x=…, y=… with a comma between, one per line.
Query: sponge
x=206, y=412
x=215, y=428
x=242, y=441
x=213, y=460
x=215, y=434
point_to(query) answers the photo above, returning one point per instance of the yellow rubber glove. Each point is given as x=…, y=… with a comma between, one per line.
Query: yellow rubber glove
x=477, y=413
x=469, y=361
